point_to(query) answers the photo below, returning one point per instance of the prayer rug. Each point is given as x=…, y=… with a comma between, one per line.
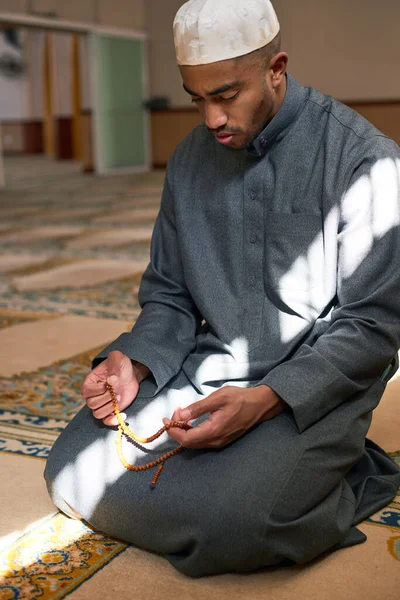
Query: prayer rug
x=389, y=518
x=54, y=558
x=35, y=407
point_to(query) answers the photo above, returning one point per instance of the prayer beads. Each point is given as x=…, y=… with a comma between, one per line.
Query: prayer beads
x=123, y=429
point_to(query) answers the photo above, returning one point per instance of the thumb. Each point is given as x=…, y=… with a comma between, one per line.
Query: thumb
x=113, y=380
x=199, y=408
x=114, y=366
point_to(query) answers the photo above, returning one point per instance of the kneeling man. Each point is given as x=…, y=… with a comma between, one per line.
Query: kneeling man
x=270, y=324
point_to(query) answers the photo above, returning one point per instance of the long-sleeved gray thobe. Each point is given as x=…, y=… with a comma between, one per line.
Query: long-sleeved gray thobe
x=275, y=265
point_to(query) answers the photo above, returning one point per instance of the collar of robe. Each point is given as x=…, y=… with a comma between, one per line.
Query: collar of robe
x=292, y=104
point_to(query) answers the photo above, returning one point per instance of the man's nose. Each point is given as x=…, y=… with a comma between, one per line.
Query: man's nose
x=215, y=116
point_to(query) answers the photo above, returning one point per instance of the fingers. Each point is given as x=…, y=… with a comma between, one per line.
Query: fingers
x=102, y=405
x=105, y=412
x=201, y=436
x=111, y=369
x=94, y=384
x=116, y=370
x=112, y=421
x=95, y=402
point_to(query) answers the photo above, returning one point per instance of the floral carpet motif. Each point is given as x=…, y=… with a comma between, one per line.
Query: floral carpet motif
x=53, y=559
x=389, y=517
x=35, y=407
x=59, y=554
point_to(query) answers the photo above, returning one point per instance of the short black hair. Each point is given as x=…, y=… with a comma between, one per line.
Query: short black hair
x=263, y=56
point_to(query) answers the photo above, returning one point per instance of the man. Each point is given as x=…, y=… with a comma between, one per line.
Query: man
x=270, y=321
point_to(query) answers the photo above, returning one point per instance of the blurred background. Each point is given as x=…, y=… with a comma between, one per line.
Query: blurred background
x=95, y=81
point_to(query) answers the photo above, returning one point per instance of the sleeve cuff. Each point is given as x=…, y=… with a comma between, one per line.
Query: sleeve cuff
x=310, y=385
x=147, y=356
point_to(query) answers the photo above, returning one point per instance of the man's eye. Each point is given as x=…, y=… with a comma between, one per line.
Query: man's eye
x=196, y=99
x=230, y=98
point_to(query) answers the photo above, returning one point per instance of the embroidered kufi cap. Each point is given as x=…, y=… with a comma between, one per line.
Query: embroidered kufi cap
x=207, y=31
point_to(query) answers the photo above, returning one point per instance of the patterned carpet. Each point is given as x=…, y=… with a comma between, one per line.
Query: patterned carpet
x=72, y=250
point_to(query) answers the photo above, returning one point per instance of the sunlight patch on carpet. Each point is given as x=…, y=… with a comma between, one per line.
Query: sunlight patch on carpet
x=54, y=558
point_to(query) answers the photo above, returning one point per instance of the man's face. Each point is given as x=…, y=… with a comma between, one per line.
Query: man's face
x=234, y=97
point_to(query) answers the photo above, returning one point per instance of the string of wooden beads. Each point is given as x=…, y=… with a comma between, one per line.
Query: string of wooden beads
x=123, y=429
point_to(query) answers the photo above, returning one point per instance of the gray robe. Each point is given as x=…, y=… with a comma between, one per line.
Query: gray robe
x=274, y=265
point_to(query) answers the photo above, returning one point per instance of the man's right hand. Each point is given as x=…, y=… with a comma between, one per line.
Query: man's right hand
x=119, y=371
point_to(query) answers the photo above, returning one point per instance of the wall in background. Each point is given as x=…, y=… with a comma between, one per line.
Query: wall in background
x=34, y=53
x=86, y=75
x=15, y=6
x=117, y=13
x=71, y=10
x=62, y=73
x=122, y=13
x=84, y=10
x=165, y=79
x=349, y=50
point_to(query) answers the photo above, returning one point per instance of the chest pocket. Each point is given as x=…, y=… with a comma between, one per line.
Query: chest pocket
x=294, y=252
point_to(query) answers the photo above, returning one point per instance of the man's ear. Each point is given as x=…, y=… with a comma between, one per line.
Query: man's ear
x=278, y=66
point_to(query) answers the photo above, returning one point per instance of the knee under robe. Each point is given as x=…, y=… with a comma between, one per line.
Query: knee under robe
x=273, y=495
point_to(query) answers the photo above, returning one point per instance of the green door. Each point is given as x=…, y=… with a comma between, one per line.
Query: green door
x=120, y=118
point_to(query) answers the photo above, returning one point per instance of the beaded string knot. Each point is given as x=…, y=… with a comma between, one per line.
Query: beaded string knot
x=123, y=429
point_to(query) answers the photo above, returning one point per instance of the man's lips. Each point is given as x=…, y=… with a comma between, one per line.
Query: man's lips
x=224, y=138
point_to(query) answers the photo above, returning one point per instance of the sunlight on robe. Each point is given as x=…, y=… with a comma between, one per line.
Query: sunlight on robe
x=372, y=206
x=228, y=367
x=304, y=289
x=88, y=486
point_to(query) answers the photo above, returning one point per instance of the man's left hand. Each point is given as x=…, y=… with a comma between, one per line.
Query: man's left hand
x=233, y=411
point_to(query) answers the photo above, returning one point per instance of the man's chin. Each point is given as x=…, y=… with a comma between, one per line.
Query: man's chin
x=238, y=146
x=239, y=142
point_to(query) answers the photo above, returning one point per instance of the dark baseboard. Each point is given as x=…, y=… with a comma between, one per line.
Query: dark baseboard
x=64, y=140
x=33, y=134
x=13, y=153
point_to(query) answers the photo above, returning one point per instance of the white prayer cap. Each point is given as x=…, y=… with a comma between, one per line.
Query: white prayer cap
x=207, y=31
